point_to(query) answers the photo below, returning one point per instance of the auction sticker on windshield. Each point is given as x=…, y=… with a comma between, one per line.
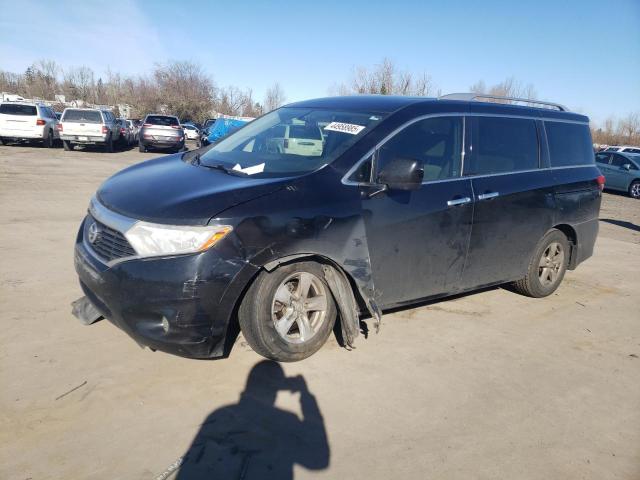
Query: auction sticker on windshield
x=344, y=128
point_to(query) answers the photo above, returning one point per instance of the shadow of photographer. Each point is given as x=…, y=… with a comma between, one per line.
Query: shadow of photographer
x=253, y=438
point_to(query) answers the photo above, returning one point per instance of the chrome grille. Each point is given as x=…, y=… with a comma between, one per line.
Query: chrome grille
x=108, y=244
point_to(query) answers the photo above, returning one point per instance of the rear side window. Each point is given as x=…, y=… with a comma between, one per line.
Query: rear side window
x=15, y=109
x=162, y=120
x=82, y=116
x=436, y=142
x=619, y=160
x=304, y=132
x=569, y=144
x=602, y=158
x=502, y=144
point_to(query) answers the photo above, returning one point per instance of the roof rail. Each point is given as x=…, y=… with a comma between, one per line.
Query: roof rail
x=480, y=96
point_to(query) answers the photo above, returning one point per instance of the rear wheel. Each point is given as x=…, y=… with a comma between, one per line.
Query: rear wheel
x=288, y=314
x=48, y=141
x=67, y=145
x=108, y=146
x=547, y=266
x=142, y=148
x=634, y=189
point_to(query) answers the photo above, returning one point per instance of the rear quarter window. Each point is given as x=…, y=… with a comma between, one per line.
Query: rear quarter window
x=82, y=116
x=569, y=144
x=13, y=109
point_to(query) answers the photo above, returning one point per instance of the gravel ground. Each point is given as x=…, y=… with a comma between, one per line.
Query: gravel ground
x=486, y=385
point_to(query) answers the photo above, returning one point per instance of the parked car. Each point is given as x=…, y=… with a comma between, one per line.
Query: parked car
x=88, y=126
x=623, y=148
x=127, y=134
x=26, y=121
x=220, y=129
x=409, y=199
x=134, y=131
x=191, y=132
x=161, y=131
x=622, y=171
x=296, y=140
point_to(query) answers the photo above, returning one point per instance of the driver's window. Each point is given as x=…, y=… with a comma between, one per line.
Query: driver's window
x=436, y=142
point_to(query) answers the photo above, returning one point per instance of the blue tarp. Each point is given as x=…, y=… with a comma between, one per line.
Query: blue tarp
x=223, y=127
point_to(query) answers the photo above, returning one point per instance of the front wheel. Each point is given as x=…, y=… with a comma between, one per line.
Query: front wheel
x=547, y=266
x=288, y=314
x=634, y=189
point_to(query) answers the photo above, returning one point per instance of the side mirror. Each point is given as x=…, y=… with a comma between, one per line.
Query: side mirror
x=627, y=166
x=402, y=174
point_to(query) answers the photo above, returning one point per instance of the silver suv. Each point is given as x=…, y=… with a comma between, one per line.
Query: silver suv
x=161, y=131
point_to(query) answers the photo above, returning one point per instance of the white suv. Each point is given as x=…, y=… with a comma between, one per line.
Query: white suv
x=88, y=126
x=27, y=121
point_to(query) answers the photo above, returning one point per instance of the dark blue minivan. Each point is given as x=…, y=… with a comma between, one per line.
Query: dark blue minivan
x=327, y=210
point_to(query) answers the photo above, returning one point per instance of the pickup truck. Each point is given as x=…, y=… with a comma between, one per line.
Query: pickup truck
x=88, y=126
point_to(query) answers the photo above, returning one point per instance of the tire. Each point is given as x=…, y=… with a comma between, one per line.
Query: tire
x=142, y=148
x=268, y=302
x=634, y=189
x=48, y=142
x=547, y=266
x=108, y=146
x=67, y=145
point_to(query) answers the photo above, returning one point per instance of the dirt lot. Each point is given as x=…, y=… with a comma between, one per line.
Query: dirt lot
x=488, y=385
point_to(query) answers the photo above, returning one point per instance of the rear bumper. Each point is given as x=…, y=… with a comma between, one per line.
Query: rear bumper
x=151, y=142
x=16, y=135
x=181, y=305
x=84, y=139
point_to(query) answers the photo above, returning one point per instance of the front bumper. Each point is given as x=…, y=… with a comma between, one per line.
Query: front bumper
x=181, y=304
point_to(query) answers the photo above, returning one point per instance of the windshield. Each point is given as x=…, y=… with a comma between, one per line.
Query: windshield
x=290, y=141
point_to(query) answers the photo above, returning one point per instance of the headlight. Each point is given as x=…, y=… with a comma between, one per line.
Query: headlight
x=150, y=239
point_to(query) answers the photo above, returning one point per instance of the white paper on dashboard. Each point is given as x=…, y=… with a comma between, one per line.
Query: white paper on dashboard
x=250, y=170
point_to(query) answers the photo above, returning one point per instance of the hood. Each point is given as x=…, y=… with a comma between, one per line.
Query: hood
x=168, y=190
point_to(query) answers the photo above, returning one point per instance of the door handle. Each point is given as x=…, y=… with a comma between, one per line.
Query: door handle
x=488, y=196
x=458, y=201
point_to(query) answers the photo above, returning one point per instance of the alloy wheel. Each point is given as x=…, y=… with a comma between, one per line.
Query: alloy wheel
x=299, y=307
x=551, y=263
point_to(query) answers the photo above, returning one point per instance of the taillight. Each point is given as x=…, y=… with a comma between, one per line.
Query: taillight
x=59, y=127
x=105, y=129
x=601, y=179
x=122, y=131
x=40, y=122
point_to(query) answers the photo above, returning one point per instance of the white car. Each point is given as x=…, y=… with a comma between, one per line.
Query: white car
x=623, y=148
x=88, y=126
x=296, y=139
x=21, y=121
x=191, y=132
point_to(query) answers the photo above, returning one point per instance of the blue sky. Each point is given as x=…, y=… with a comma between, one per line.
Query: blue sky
x=585, y=54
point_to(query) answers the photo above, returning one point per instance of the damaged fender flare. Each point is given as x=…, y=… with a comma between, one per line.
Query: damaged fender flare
x=343, y=293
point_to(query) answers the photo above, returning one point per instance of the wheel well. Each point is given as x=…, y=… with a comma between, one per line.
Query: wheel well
x=362, y=306
x=569, y=232
x=572, y=236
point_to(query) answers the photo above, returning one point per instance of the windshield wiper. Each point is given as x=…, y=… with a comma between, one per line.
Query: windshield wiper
x=224, y=168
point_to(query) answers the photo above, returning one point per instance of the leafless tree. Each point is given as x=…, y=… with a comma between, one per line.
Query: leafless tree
x=274, y=98
x=510, y=87
x=385, y=79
